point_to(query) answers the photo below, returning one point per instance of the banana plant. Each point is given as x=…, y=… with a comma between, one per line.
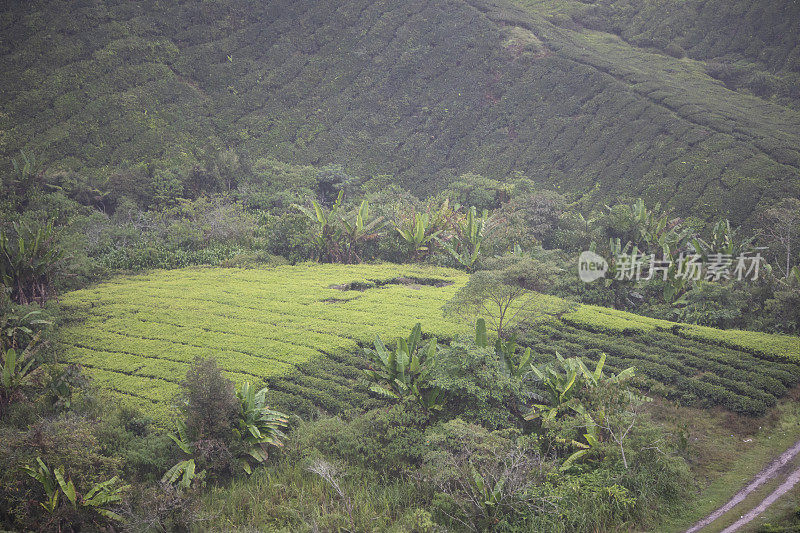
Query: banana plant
x=47, y=480
x=468, y=238
x=27, y=174
x=358, y=231
x=97, y=499
x=562, y=383
x=183, y=473
x=405, y=370
x=29, y=258
x=416, y=232
x=505, y=350
x=258, y=425
x=103, y=494
x=592, y=437
x=328, y=232
x=17, y=367
x=794, y=275
x=489, y=495
x=725, y=240
x=17, y=331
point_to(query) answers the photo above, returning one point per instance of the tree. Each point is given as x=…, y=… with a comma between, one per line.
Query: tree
x=503, y=293
x=781, y=228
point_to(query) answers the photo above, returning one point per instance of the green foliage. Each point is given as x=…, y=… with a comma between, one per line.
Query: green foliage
x=339, y=236
x=97, y=499
x=483, y=193
x=405, y=371
x=140, y=107
x=389, y=440
x=504, y=292
x=15, y=371
x=562, y=385
x=151, y=327
x=505, y=350
x=29, y=261
x=222, y=427
x=416, y=233
x=211, y=406
x=467, y=239
x=478, y=386
x=71, y=446
x=484, y=478
x=18, y=327
x=258, y=425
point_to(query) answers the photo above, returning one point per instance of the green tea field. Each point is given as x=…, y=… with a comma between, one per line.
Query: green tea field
x=299, y=328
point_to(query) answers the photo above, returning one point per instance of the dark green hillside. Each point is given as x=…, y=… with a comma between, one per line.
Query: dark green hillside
x=750, y=44
x=422, y=90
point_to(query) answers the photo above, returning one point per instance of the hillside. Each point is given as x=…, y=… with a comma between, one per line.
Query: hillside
x=421, y=90
x=748, y=45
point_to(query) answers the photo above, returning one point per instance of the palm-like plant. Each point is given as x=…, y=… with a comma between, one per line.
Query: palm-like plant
x=339, y=236
x=17, y=330
x=416, y=232
x=563, y=381
x=725, y=240
x=358, y=231
x=405, y=370
x=328, y=231
x=505, y=350
x=29, y=258
x=97, y=499
x=469, y=233
x=183, y=473
x=16, y=369
x=258, y=426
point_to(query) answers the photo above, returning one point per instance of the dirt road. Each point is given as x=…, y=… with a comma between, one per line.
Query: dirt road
x=770, y=472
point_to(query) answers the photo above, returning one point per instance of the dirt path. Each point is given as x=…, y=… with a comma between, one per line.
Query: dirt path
x=785, y=487
x=770, y=472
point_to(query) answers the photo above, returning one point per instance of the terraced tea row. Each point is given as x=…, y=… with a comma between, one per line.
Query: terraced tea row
x=140, y=333
x=299, y=329
x=688, y=370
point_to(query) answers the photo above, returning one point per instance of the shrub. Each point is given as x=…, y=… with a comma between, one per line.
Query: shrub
x=387, y=440
x=210, y=400
x=477, y=385
x=211, y=409
x=68, y=443
x=483, y=478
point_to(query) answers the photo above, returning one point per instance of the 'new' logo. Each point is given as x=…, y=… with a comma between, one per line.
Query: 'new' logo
x=591, y=266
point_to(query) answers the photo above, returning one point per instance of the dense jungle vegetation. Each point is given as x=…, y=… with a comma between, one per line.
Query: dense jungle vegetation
x=312, y=266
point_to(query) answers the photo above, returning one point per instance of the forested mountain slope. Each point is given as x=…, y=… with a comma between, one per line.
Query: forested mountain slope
x=749, y=44
x=423, y=90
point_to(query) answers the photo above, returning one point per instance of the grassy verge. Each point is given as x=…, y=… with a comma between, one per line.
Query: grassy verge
x=728, y=452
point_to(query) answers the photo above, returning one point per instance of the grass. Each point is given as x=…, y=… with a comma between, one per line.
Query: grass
x=728, y=452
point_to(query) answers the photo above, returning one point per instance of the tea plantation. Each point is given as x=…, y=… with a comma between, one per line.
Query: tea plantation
x=299, y=328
